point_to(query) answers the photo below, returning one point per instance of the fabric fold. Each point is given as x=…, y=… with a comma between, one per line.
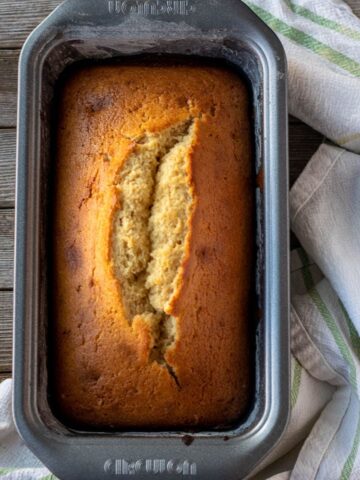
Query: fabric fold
x=322, y=43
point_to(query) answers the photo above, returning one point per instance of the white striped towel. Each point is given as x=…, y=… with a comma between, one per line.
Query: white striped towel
x=321, y=39
x=322, y=42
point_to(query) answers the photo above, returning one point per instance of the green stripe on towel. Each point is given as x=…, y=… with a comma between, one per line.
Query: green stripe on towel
x=4, y=471
x=328, y=319
x=18, y=471
x=353, y=137
x=354, y=337
x=295, y=387
x=349, y=464
x=307, y=41
x=322, y=21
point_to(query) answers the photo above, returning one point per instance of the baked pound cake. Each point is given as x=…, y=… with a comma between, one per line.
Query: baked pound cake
x=152, y=240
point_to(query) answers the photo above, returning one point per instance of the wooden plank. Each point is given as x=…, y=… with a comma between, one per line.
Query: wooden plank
x=5, y=331
x=8, y=86
x=303, y=143
x=20, y=17
x=7, y=167
x=6, y=248
x=5, y=375
x=292, y=119
x=355, y=5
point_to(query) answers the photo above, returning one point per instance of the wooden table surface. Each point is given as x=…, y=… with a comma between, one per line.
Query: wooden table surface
x=17, y=19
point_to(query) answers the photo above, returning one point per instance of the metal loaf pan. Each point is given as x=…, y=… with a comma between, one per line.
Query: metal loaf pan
x=104, y=29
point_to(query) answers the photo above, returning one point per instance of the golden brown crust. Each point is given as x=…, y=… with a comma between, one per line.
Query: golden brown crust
x=100, y=370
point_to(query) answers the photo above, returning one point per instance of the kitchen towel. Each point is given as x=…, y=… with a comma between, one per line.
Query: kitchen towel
x=325, y=344
x=322, y=43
